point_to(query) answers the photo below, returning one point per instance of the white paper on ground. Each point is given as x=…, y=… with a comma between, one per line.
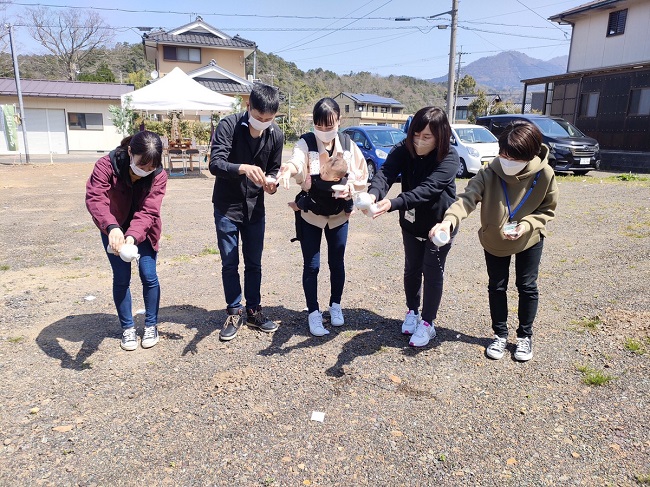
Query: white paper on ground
x=317, y=416
x=90, y=297
x=140, y=312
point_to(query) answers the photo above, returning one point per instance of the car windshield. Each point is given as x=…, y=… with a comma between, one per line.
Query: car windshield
x=386, y=138
x=552, y=127
x=475, y=135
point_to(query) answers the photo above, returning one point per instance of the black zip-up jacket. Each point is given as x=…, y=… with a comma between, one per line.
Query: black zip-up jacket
x=234, y=195
x=428, y=187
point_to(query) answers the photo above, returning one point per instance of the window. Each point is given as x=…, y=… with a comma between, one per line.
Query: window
x=85, y=121
x=616, y=24
x=187, y=54
x=347, y=108
x=461, y=113
x=589, y=104
x=384, y=109
x=374, y=109
x=640, y=102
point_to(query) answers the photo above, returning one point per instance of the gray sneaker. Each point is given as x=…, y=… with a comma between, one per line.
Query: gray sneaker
x=129, y=339
x=150, y=337
x=497, y=348
x=524, y=351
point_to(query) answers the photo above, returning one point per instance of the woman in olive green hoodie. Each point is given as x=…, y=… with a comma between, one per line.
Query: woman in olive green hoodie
x=518, y=195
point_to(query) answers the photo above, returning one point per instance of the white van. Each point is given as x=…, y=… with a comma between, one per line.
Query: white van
x=475, y=145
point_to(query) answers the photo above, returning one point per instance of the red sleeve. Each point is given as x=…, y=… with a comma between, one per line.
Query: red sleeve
x=149, y=214
x=98, y=201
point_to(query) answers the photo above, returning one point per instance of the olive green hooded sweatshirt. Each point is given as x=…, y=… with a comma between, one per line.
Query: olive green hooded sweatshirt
x=487, y=189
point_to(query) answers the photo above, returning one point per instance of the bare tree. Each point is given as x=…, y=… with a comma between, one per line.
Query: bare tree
x=71, y=35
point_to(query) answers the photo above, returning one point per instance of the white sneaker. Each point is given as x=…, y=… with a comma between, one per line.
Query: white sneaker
x=497, y=348
x=150, y=337
x=336, y=315
x=129, y=339
x=316, y=327
x=410, y=323
x=524, y=351
x=423, y=334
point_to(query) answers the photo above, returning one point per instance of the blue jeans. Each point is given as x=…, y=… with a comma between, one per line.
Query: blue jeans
x=310, y=244
x=122, y=282
x=422, y=258
x=526, y=272
x=252, y=238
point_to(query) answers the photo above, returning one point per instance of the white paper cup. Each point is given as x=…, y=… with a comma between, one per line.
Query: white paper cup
x=373, y=209
x=270, y=179
x=510, y=228
x=362, y=201
x=338, y=190
x=440, y=238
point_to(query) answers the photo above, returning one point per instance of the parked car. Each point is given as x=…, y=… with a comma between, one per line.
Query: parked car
x=475, y=145
x=571, y=150
x=375, y=142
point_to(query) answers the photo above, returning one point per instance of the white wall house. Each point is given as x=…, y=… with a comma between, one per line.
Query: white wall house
x=613, y=35
x=64, y=116
x=606, y=89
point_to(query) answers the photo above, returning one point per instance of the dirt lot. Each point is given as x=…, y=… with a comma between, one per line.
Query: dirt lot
x=77, y=410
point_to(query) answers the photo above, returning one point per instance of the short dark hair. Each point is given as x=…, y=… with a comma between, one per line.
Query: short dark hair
x=147, y=145
x=264, y=98
x=436, y=119
x=520, y=141
x=338, y=165
x=326, y=112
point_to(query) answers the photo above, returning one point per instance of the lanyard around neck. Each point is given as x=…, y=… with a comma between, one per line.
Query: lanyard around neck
x=523, y=200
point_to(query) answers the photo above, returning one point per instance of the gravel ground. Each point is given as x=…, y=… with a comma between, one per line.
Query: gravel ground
x=77, y=410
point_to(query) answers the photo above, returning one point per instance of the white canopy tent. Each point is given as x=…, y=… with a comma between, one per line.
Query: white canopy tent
x=177, y=91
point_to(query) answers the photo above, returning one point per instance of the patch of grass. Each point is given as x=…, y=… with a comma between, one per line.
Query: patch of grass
x=210, y=251
x=18, y=339
x=76, y=258
x=182, y=259
x=594, y=377
x=4, y=267
x=383, y=349
x=268, y=481
x=629, y=177
x=643, y=478
x=350, y=333
x=86, y=365
x=585, y=323
x=634, y=345
x=442, y=457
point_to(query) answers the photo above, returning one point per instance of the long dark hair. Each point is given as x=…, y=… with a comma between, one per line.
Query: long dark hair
x=145, y=144
x=436, y=119
x=326, y=112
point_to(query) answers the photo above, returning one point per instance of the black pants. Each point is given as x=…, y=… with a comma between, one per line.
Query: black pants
x=526, y=272
x=422, y=259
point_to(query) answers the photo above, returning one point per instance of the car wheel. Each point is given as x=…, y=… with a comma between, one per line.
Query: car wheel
x=462, y=169
x=371, y=170
x=581, y=173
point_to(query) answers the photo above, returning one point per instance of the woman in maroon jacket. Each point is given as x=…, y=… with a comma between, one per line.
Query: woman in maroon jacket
x=123, y=195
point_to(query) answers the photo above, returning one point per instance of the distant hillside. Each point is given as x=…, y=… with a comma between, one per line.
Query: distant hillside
x=506, y=70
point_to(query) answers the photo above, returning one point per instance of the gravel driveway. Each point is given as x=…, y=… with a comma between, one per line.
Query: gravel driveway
x=77, y=410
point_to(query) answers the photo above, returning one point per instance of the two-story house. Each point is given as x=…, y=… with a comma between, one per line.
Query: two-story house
x=209, y=56
x=606, y=89
x=366, y=109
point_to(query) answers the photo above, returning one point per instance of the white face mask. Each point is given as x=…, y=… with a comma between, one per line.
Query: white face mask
x=139, y=172
x=257, y=124
x=511, y=168
x=423, y=148
x=325, y=137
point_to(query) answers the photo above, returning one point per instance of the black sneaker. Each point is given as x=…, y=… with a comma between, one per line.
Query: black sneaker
x=231, y=326
x=256, y=319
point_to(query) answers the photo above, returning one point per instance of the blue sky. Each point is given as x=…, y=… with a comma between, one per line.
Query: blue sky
x=368, y=36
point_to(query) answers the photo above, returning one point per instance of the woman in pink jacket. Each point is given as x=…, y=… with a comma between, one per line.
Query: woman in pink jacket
x=123, y=195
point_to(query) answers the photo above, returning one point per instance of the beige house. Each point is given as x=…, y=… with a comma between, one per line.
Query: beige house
x=368, y=109
x=606, y=89
x=206, y=54
x=64, y=116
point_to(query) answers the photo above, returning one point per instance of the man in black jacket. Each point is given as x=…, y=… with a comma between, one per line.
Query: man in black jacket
x=245, y=157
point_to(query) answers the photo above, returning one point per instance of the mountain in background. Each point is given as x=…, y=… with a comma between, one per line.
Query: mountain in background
x=505, y=71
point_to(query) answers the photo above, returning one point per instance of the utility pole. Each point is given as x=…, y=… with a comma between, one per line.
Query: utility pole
x=14, y=57
x=453, y=116
x=452, y=57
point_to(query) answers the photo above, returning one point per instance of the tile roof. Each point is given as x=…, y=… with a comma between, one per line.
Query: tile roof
x=65, y=89
x=370, y=98
x=201, y=39
x=225, y=86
